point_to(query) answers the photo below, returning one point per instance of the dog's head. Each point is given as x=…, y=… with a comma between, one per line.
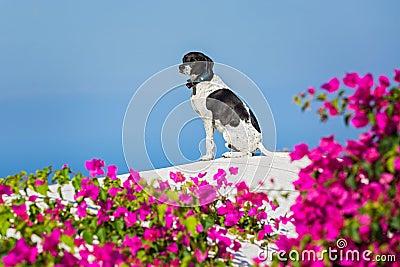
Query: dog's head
x=195, y=64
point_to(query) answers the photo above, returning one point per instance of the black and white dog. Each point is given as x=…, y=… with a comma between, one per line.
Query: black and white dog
x=220, y=109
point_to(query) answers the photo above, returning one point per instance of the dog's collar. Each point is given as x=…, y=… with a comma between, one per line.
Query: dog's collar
x=203, y=77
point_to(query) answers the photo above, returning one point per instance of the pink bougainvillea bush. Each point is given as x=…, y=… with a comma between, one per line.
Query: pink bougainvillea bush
x=118, y=224
x=350, y=194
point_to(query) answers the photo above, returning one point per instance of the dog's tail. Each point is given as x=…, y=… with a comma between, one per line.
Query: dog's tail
x=268, y=153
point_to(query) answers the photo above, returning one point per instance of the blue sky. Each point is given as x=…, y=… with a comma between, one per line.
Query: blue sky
x=68, y=69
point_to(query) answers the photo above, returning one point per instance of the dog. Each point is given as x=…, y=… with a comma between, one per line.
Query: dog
x=220, y=109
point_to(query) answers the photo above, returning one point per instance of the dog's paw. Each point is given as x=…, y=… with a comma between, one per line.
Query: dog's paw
x=207, y=158
x=235, y=154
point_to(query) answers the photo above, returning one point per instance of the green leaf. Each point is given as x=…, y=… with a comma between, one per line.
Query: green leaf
x=119, y=224
x=42, y=189
x=390, y=164
x=87, y=235
x=305, y=241
x=186, y=261
x=161, y=212
x=351, y=180
x=68, y=240
x=354, y=232
x=395, y=223
x=335, y=103
x=347, y=119
x=173, y=195
x=371, y=118
x=191, y=222
x=208, y=222
x=101, y=234
x=103, y=194
x=306, y=105
x=77, y=181
x=321, y=97
x=141, y=255
x=4, y=226
x=368, y=168
x=297, y=100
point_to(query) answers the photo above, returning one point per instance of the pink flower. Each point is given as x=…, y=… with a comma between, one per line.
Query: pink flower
x=5, y=190
x=242, y=187
x=232, y=218
x=266, y=230
x=233, y=170
x=64, y=166
x=359, y=120
x=51, y=242
x=206, y=194
x=384, y=81
x=381, y=121
x=262, y=215
x=69, y=229
x=372, y=191
x=134, y=243
x=252, y=211
x=199, y=228
x=200, y=256
x=177, y=177
x=39, y=182
x=397, y=75
x=299, y=152
x=397, y=164
x=364, y=219
x=88, y=190
x=185, y=241
x=130, y=218
x=273, y=206
x=351, y=79
x=332, y=109
x=81, y=212
x=185, y=198
x=120, y=212
x=21, y=253
x=228, y=208
x=68, y=260
x=371, y=155
x=311, y=90
x=173, y=248
x=40, y=217
x=379, y=92
x=112, y=172
x=144, y=211
x=366, y=82
x=32, y=198
x=201, y=175
x=113, y=191
x=163, y=185
x=107, y=254
x=332, y=85
x=95, y=167
x=134, y=175
x=365, y=231
x=151, y=235
x=220, y=174
x=20, y=211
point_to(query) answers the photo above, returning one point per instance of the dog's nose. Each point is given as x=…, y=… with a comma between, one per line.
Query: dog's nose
x=181, y=67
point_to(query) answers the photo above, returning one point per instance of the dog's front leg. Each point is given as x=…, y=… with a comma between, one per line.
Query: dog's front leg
x=210, y=146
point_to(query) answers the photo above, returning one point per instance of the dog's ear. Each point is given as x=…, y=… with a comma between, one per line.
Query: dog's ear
x=209, y=66
x=209, y=63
